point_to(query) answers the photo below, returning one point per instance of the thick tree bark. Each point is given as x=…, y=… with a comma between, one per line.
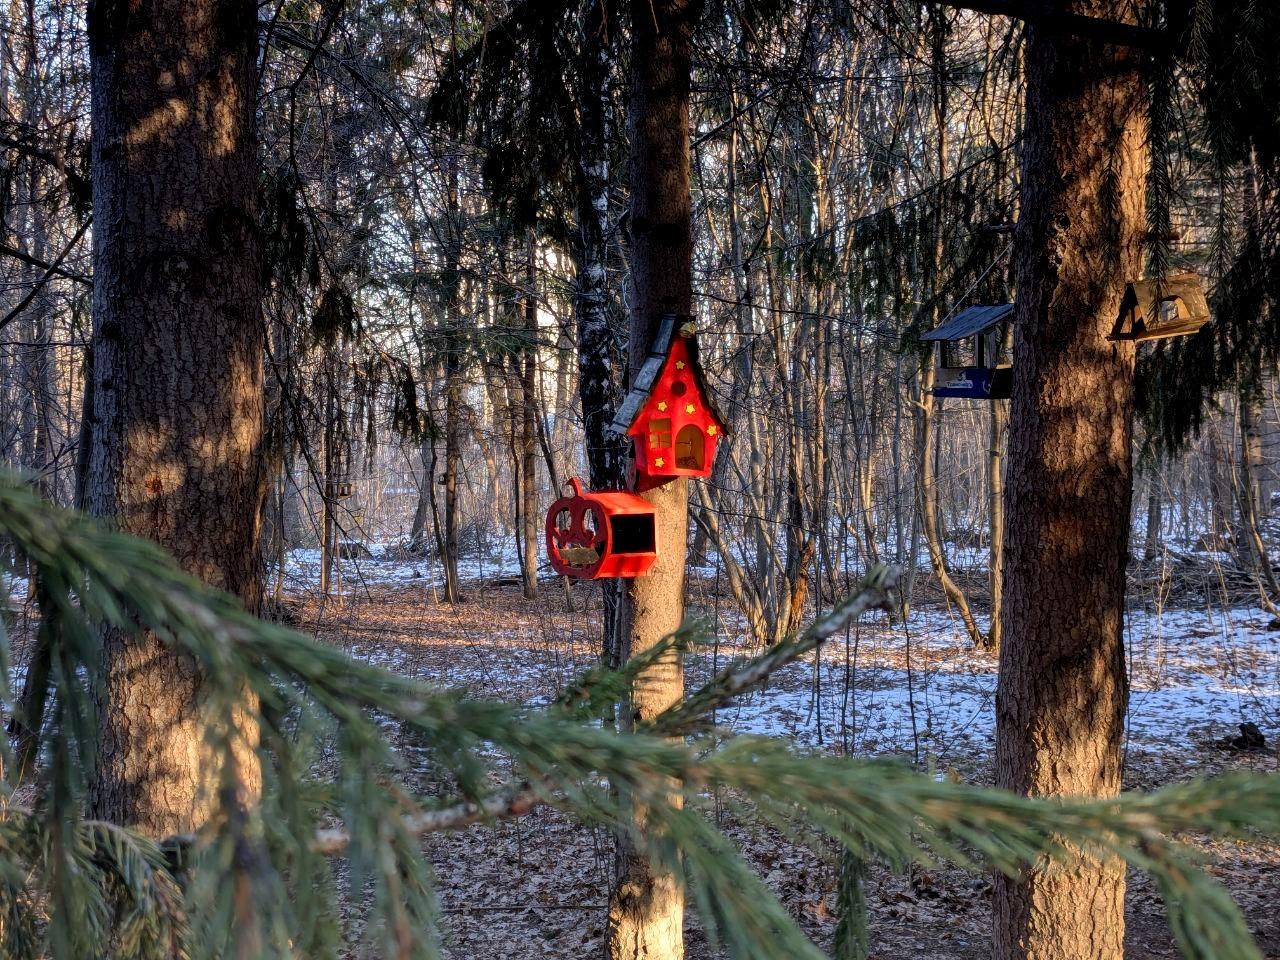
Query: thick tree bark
x=646, y=907
x=1062, y=693
x=177, y=376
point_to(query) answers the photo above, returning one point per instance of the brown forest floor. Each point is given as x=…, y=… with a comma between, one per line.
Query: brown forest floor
x=537, y=887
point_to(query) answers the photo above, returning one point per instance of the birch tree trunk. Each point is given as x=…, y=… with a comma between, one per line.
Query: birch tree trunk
x=452, y=385
x=1062, y=691
x=529, y=430
x=177, y=376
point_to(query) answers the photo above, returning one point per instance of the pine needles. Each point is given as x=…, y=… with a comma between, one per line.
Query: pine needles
x=260, y=878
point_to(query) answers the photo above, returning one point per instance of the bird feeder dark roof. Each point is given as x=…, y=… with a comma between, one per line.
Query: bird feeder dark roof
x=643, y=384
x=970, y=322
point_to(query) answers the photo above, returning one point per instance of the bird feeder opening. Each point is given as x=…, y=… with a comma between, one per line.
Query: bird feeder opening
x=631, y=533
x=972, y=362
x=1158, y=310
x=691, y=448
x=592, y=535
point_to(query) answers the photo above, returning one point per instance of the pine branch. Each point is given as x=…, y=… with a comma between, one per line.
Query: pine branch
x=876, y=593
x=504, y=805
x=260, y=877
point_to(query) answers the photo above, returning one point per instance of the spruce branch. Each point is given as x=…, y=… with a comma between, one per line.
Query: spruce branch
x=263, y=877
x=875, y=593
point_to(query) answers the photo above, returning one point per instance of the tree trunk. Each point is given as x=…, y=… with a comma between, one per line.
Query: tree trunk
x=529, y=429
x=646, y=907
x=1062, y=692
x=995, y=509
x=1152, y=541
x=178, y=343
x=328, y=482
x=452, y=388
x=598, y=354
x=927, y=457
x=1248, y=537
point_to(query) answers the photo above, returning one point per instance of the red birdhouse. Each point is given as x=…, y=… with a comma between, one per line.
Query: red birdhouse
x=669, y=414
x=593, y=535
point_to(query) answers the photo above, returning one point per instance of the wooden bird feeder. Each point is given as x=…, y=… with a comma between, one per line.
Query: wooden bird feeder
x=1154, y=310
x=592, y=535
x=669, y=414
x=343, y=489
x=970, y=345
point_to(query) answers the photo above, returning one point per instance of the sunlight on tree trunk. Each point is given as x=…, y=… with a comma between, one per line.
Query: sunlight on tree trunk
x=1062, y=692
x=646, y=908
x=178, y=343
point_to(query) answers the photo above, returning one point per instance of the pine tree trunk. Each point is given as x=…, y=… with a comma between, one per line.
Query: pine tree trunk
x=646, y=908
x=1062, y=692
x=178, y=343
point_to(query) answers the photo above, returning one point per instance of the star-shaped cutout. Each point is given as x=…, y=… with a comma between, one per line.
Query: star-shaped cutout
x=711, y=430
x=689, y=408
x=660, y=462
x=679, y=364
x=662, y=404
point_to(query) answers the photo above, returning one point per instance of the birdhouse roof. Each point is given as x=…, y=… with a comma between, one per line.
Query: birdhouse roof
x=970, y=322
x=651, y=370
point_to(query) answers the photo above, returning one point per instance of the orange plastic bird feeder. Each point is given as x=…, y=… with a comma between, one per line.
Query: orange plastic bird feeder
x=592, y=535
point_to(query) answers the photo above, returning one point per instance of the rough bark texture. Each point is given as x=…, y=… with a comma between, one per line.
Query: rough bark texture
x=177, y=355
x=1062, y=692
x=646, y=908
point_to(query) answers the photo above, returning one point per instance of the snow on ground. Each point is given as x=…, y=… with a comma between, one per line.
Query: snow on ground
x=302, y=567
x=12, y=588
x=1195, y=675
x=917, y=689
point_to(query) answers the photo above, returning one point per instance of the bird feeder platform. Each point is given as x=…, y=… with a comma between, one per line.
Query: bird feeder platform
x=988, y=376
x=1157, y=310
x=593, y=535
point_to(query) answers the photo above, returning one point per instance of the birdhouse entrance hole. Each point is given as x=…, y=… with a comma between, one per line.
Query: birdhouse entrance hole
x=690, y=448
